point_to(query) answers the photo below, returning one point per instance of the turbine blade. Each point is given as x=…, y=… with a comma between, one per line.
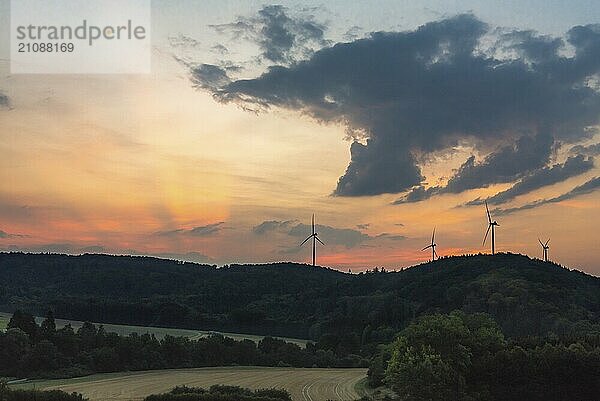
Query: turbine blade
x=307, y=238
x=435, y=253
x=428, y=246
x=313, y=223
x=486, y=234
x=488, y=212
x=546, y=244
x=317, y=238
x=541, y=243
x=433, y=236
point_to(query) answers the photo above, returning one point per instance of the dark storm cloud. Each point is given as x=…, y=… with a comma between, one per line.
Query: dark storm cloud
x=280, y=36
x=418, y=194
x=591, y=150
x=208, y=76
x=406, y=94
x=504, y=165
x=200, y=231
x=572, y=167
x=584, y=189
x=376, y=166
x=531, y=47
x=353, y=33
x=4, y=101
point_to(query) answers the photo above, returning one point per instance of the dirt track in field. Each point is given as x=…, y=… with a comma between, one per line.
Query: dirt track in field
x=303, y=384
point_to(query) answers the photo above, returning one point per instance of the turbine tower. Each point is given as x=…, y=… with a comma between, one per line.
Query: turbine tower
x=315, y=238
x=545, y=248
x=491, y=226
x=432, y=246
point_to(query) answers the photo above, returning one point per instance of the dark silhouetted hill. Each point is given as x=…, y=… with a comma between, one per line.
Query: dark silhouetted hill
x=525, y=296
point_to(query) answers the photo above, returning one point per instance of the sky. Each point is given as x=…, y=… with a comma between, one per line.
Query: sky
x=385, y=119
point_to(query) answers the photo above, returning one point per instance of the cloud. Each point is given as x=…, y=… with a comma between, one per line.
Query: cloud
x=572, y=167
x=418, y=194
x=353, y=33
x=184, y=41
x=47, y=248
x=59, y=247
x=504, y=165
x=531, y=47
x=220, y=49
x=368, y=174
x=290, y=251
x=194, y=257
x=4, y=101
x=281, y=37
x=330, y=235
x=586, y=188
x=71, y=249
x=392, y=237
x=5, y=235
x=200, y=231
x=347, y=237
x=403, y=95
x=272, y=225
x=591, y=150
x=208, y=76
x=94, y=249
x=203, y=231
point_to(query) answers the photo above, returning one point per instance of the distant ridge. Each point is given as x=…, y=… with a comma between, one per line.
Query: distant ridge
x=526, y=296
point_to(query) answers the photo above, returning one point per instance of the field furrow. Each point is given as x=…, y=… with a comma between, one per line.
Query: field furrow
x=303, y=384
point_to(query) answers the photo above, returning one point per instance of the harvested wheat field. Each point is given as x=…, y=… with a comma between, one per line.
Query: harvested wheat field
x=303, y=384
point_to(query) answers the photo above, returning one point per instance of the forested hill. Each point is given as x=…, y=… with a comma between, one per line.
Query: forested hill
x=526, y=296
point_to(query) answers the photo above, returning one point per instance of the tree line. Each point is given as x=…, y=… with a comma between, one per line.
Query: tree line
x=354, y=311
x=8, y=394
x=220, y=393
x=179, y=393
x=465, y=357
x=31, y=350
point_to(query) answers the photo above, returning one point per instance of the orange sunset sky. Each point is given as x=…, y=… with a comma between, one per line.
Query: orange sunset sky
x=174, y=163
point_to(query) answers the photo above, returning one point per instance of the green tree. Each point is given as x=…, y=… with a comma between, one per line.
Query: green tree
x=25, y=322
x=13, y=345
x=48, y=326
x=436, y=357
x=44, y=357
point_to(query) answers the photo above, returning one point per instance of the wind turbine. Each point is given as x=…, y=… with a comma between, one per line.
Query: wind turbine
x=432, y=246
x=545, y=248
x=315, y=238
x=491, y=225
